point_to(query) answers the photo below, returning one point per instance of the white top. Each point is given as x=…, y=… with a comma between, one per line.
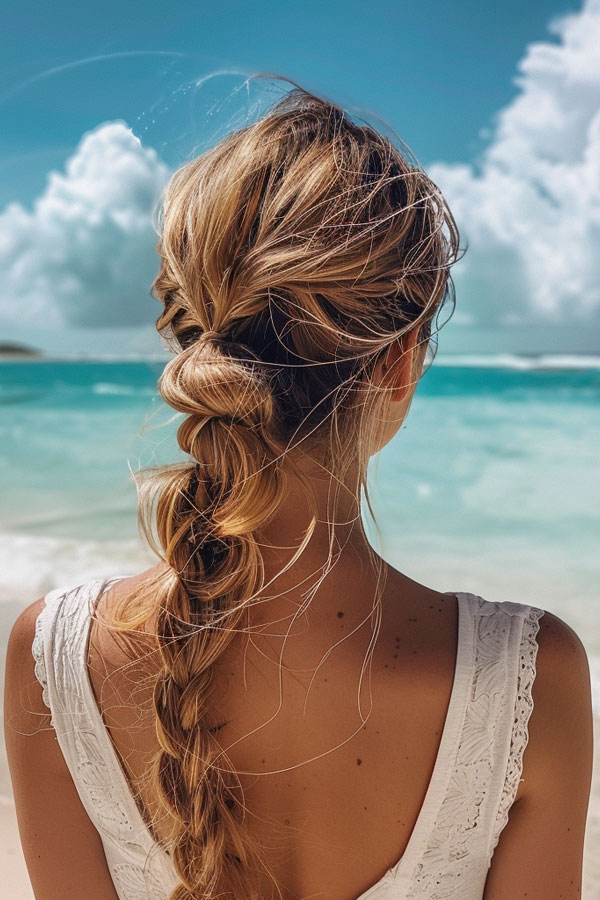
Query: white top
x=474, y=783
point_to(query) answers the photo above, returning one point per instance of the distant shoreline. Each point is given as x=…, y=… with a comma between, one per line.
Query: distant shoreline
x=12, y=350
x=79, y=358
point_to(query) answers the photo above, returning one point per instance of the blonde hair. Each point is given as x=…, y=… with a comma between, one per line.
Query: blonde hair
x=293, y=254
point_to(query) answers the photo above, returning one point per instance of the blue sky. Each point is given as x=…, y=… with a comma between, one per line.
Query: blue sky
x=499, y=102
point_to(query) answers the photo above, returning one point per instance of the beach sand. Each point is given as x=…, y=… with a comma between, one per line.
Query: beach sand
x=15, y=881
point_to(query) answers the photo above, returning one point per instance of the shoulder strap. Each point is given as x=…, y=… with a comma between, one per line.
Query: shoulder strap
x=484, y=769
x=59, y=650
x=43, y=648
x=60, y=626
x=520, y=702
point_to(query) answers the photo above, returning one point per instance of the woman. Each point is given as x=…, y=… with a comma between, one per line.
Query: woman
x=272, y=710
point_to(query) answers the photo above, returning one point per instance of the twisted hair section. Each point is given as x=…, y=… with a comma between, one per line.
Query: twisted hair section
x=293, y=254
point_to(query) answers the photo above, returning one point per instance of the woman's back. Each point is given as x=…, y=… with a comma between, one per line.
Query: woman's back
x=367, y=819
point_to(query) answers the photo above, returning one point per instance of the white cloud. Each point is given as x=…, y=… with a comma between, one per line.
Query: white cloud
x=85, y=254
x=530, y=209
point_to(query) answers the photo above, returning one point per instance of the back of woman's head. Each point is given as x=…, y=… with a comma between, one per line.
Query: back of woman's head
x=293, y=254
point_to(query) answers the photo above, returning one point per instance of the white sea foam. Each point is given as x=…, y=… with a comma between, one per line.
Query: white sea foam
x=522, y=362
x=108, y=387
x=30, y=566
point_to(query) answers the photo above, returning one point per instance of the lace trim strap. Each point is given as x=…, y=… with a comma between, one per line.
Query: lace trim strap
x=43, y=641
x=37, y=651
x=522, y=714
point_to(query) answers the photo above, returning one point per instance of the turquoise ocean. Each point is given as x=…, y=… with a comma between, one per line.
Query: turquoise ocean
x=492, y=485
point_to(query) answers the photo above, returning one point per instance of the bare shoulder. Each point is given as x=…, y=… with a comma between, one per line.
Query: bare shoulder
x=19, y=657
x=562, y=667
x=27, y=719
x=558, y=638
x=561, y=723
x=124, y=585
x=24, y=625
x=109, y=652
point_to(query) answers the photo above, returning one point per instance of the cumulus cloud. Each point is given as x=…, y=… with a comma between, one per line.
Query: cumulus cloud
x=530, y=207
x=85, y=254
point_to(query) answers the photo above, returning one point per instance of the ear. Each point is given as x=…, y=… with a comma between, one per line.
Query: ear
x=397, y=369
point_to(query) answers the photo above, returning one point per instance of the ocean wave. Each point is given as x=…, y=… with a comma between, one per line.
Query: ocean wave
x=125, y=390
x=8, y=397
x=522, y=362
x=20, y=393
x=30, y=566
x=55, y=518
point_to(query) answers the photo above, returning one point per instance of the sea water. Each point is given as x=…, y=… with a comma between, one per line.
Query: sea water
x=492, y=485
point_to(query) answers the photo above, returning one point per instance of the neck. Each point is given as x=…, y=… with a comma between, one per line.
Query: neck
x=333, y=573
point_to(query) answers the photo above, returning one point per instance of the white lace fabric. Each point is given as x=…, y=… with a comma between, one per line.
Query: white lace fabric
x=474, y=783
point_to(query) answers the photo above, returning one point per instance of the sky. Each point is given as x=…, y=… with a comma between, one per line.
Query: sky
x=500, y=103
